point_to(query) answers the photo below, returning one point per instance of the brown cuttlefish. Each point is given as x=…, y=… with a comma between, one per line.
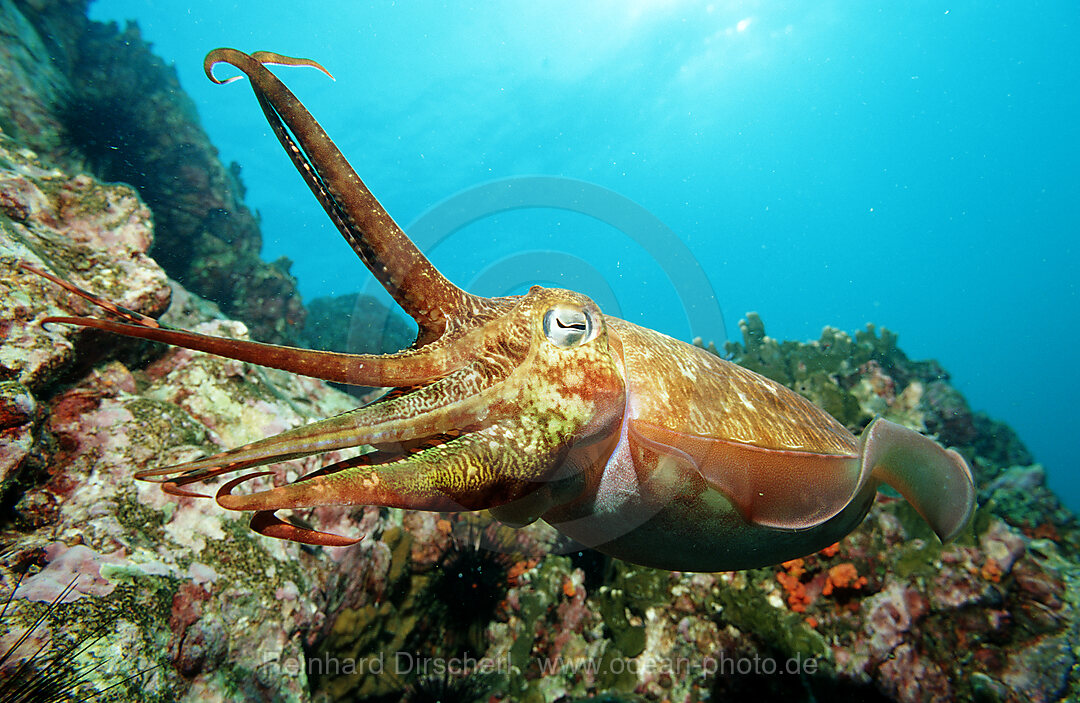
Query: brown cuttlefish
x=539, y=406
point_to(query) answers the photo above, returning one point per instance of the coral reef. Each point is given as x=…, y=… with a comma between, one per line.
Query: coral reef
x=164, y=580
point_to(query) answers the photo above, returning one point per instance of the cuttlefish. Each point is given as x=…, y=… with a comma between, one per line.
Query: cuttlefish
x=540, y=406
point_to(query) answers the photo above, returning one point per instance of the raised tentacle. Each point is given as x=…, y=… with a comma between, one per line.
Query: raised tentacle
x=424, y=293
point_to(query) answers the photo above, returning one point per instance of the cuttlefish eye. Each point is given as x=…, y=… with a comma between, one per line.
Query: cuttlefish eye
x=567, y=326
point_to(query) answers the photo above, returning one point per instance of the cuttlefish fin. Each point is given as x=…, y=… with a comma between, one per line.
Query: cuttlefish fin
x=801, y=490
x=782, y=489
x=935, y=481
x=424, y=293
x=403, y=369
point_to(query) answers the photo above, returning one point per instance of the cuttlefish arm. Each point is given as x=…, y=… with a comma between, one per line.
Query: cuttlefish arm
x=439, y=443
x=376, y=370
x=458, y=394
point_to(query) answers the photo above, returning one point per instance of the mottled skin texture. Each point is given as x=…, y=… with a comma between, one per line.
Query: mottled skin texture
x=540, y=406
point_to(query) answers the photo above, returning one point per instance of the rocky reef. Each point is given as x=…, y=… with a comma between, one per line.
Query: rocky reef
x=176, y=599
x=93, y=98
x=157, y=586
x=121, y=592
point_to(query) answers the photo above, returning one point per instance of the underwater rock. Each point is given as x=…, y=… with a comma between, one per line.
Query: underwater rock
x=164, y=581
x=92, y=97
x=18, y=412
x=91, y=233
x=30, y=84
x=204, y=608
x=356, y=324
x=1019, y=496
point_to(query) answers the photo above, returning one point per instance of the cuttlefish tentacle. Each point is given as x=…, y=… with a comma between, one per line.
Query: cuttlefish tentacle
x=407, y=368
x=421, y=290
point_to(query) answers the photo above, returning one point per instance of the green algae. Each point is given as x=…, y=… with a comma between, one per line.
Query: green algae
x=143, y=525
x=241, y=559
x=613, y=673
x=162, y=424
x=367, y=640
x=833, y=353
x=917, y=560
x=626, y=600
x=830, y=397
x=750, y=611
x=820, y=370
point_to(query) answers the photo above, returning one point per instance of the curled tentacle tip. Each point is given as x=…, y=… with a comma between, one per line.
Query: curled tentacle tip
x=215, y=79
x=225, y=492
x=215, y=57
x=172, y=488
x=266, y=523
x=235, y=57
x=265, y=57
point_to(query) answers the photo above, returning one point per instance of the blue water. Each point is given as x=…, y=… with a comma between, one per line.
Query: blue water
x=826, y=163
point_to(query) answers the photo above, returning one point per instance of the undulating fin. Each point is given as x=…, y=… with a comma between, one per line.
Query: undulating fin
x=936, y=481
x=783, y=489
